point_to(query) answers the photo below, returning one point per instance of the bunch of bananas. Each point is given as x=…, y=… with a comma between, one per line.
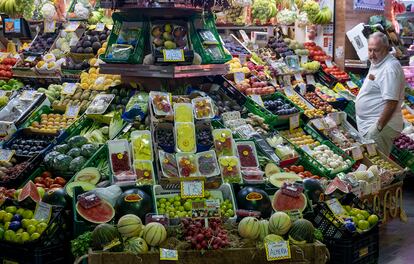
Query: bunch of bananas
x=323, y=17
x=9, y=7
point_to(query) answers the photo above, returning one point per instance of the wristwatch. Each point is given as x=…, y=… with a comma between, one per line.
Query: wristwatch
x=379, y=127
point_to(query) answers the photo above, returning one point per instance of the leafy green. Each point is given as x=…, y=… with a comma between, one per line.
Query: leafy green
x=116, y=125
x=81, y=244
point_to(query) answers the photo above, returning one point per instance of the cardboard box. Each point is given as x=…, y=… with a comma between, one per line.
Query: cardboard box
x=359, y=41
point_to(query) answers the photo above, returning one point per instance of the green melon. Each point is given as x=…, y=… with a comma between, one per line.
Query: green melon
x=136, y=245
x=106, y=235
x=129, y=225
x=279, y=223
x=89, y=174
x=264, y=229
x=249, y=227
x=154, y=234
x=302, y=231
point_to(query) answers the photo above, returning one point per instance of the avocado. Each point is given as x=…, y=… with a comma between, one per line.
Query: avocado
x=94, y=39
x=102, y=37
x=96, y=45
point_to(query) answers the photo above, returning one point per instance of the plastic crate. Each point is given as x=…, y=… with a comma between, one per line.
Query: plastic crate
x=351, y=113
x=207, y=22
x=270, y=118
x=404, y=157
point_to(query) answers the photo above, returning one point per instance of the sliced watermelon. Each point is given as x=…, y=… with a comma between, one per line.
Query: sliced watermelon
x=29, y=194
x=102, y=213
x=336, y=184
x=86, y=186
x=283, y=202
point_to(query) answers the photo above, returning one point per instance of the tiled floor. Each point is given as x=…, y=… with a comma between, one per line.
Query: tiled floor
x=397, y=238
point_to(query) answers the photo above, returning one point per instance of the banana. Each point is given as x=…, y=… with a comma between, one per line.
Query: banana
x=2, y=3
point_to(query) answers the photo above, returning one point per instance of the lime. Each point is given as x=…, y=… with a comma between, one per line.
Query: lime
x=177, y=198
x=21, y=230
x=9, y=235
x=25, y=237
x=33, y=222
x=227, y=215
x=181, y=208
x=161, y=206
x=20, y=211
x=177, y=203
x=354, y=212
x=7, y=217
x=182, y=214
x=171, y=214
x=363, y=224
x=163, y=200
x=34, y=236
x=223, y=207
x=27, y=214
x=11, y=209
x=171, y=200
x=373, y=219
x=360, y=217
x=2, y=214
x=25, y=223
x=31, y=229
x=167, y=204
x=18, y=238
x=160, y=211
x=365, y=214
x=230, y=212
x=347, y=207
x=188, y=206
x=41, y=227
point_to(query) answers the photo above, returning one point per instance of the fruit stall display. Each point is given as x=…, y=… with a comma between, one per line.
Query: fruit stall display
x=232, y=160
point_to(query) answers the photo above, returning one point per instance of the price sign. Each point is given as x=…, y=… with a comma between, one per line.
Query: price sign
x=371, y=149
x=49, y=26
x=168, y=254
x=258, y=99
x=213, y=207
x=239, y=77
x=242, y=58
x=298, y=77
x=72, y=26
x=310, y=79
x=73, y=41
x=336, y=117
x=30, y=59
x=270, y=31
x=302, y=88
x=173, y=55
x=304, y=59
x=329, y=63
x=351, y=84
x=277, y=250
x=43, y=212
x=294, y=121
x=7, y=128
x=100, y=27
x=6, y=154
x=335, y=206
x=72, y=111
x=307, y=149
x=69, y=88
x=191, y=189
x=287, y=80
x=294, y=215
x=357, y=153
x=289, y=91
x=339, y=87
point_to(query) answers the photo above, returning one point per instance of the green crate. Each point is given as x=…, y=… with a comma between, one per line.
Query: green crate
x=137, y=55
x=404, y=157
x=270, y=118
x=206, y=22
x=351, y=113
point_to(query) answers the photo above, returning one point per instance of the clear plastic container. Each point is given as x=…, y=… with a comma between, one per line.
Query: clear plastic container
x=141, y=142
x=223, y=142
x=203, y=108
x=161, y=103
x=207, y=163
x=185, y=140
x=99, y=104
x=230, y=169
x=187, y=164
x=183, y=112
x=252, y=175
x=120, y=158
x=168, y=164
x=144, y=172
x=246, y=151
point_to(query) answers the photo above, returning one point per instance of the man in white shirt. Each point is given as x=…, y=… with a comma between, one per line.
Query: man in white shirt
x=378, y=104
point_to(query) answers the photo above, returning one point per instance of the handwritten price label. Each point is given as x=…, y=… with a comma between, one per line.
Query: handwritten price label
x=335, y=206
x=190, y=189
x=294, y=215
x=357, y=153
x=72, y=111
x=168, y=254
x=303, y=59
x=72, y=26
x=298, y=77
x=239, y=77
x=293, y=122
x=258, y=99
x=100, y=27
x=242, y=58
x=173, y=55
x=371, y=149
x=310, y=79
x=49, y=26
x=69, y=88
x=6, y=154
x=277, y=250
x=287, y=80
x=43, y=212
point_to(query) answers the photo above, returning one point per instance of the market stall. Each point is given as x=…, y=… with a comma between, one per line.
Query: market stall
x=154, y=131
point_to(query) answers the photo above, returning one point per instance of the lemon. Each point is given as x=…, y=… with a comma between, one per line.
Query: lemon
x=373, y=219
x=6, y=225
x=92, y=61
x=92, y=70
x=363, y=224
x=17, y=238
x=365, y=214
x=41, y=227
x=84, y=86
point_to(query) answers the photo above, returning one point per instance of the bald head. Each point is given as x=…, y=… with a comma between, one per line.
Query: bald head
x=378, y=46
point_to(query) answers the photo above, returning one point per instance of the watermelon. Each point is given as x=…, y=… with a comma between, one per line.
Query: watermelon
x=29, y=195
x=99, y=214
x=302, y=231
x=134, y=201
x=284, y=202
x=55, y=197
x=264, y=229
x=89, y=174
x=249, y=227
x=154, y=234
x=129, y=225
x=136, y=245
x=279, y=223
x=255, y=199
x=106, y=235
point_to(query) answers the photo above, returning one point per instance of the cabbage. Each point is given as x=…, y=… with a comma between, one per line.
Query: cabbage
x=48, y=11
x=81, y=11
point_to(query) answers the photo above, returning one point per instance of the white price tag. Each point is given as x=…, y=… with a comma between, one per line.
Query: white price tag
x=357, y=153
x=69, y=88
x=307, y=149
x=30, y=59
x=43, y=212
x=287, y=80
x=72, y=111
x=277, y=250
x=245, y=38
x=72, y=26
x=6, y=154
x=335, y=206
x=239, y=77
x=288, y=91
x=294, y=121
x=49, y=26
x=258, y=99
x=7, y=128
x=242, y=58
x=371, y=149
x=336, y=117
x=100, y=27
x=351, y=84
x=27, y=95
x=328, y=63
x=298, y=77
x=73, y=41
x=190, y=189
x=173, y=55
x=303, y=59
x=3, y=92
x=310, y=79
x=302, y=88
x=168, y=254
x=330, y=122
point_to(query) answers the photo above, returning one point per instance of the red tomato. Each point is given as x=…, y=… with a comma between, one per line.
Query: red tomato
x=48, y=182
x=55, y=186
x=301, y=168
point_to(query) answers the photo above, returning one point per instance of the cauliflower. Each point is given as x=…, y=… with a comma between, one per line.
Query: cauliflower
x=48, y=10
x=81, y=11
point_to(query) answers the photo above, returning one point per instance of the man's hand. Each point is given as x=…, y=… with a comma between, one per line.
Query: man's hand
x=389, y=109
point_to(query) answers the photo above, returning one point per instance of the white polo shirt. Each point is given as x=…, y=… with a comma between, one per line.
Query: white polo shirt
x=388, y=84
